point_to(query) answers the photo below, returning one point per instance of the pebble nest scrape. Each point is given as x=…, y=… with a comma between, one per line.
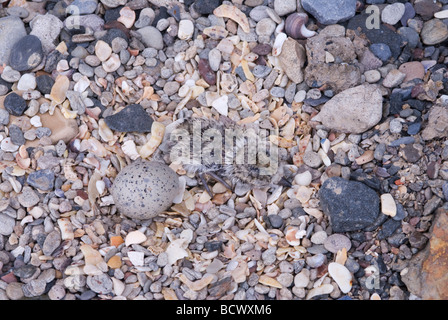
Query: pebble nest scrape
x=62, y=236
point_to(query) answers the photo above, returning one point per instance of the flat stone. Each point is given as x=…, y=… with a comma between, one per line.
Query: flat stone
x=336, y=242
x=47, y=28
x=427, y=275
x=52, y=241
x=41, y=179
x=79, y=7
x=351, y=111
x=330, y=12
x=350, y=205
x=283, y=7
x=28, y=53
x=206, y=7
x=132, y=118
x=151, y=37
x=338, y=77
x=101, y=284
x=12, y=29
x=292, y=59
x=6, y=224
x=16, y=135
x=28, y=197
x=393, y=13
x=381, y=50
x=388, y=206
x=437, y=126
x=15, y=104
x=412, y=70
x=433, y=32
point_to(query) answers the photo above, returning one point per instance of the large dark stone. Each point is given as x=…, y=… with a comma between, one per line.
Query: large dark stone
x=133, y=118
x=206, y=6
x=44, y=83
x=26, y=54
x=15, y=104
x=350, y=205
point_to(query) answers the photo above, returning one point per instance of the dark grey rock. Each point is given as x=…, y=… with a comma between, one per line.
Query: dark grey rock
x=414, y=128
x=4, y=117
x=15, y=104
x=16, y=135
x=330, y=12
x=25, y=271
x=133, y=118
x=43, y=132
x=381, y=51
x=410, y=36
x=403, y=140
x=27, y=53
x=388, y=228
x=44, y=83
x=41, y=179
x=206, y=6
x=274, y=220
x=350, y=205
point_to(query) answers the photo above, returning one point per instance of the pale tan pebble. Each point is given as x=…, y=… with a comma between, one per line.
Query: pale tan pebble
x=130, y=149
x=104, y=131
x=441, y=14
x=82, y=84
x=216, y=32
x=36, y=212
x=323, y=289
x=367, y=156
x=59, y=89
x=112, y=63
x=127, y=17
x=388, y=206
x=157, y=133
x=186, y=29
x=102, y=50
x=135, y=237
x=94, y=259
x=232, y=12
x=198, y=284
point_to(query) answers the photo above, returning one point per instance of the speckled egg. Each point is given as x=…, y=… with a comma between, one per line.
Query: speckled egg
x=144, y=189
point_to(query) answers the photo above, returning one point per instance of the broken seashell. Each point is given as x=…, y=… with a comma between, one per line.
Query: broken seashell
x=59, y=89
x=92, y=258
x=112, y=63
x=66, y=229
x=323, y=289
x=278, y=43
x=295, y=26
x=129, y=148
x=127, y=17
x=157, y=133
x=137, y=258
x=293, y=235
x=199, y=284
x=102, y=50
x=268, y=281
x=341, y=275
x=232, y=12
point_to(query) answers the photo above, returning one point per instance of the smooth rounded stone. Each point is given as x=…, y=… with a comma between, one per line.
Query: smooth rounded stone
x=79, y=7
x=388, y=206
x=12, y=29
x=433, y=32
x=410, y=36
x=47, y=28
x=15, y=104
x=330, y=12
x=292, y=58
x=260, y=71
x=14, y=291
x=277, y=92
x=27, y=82
x=319, y=237
x=394, y=78
x=4, y=117
x=302, y=279
x=41, y=179
x=151, y=37
x=34, y=288
x=341, y=275
x=312, y=159
x=52, y=241
x=10, y=75
x=186, y=29
x=57, y=292
x=350, y=205
x=17, y=12
x=315, y=261
x=28, y=197
x=381, y=50
x=112, y=63
x=395, y=126
x=336, y=242
x=171, y=87
x=101, y=283
x=16, y=135
x=414, y=128
x=393, y=13
x=133, y=118
x=113, y=3
x=409, y=13
x=214, y=59
x=127, y=17
x=265, y=27
x=102, y=50
x=412, y=70
x=283, y=7
x=372, y=76
x=6, y=224
x=143, y=189
x=28, y=53
x=275, y=221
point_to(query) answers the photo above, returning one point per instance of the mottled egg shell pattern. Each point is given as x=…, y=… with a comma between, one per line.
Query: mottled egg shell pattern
x=143, y=189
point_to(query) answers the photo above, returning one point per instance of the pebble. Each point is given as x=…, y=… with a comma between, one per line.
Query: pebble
x=132, y=118
x=28, y=53
x=41, y=179
x=336, y=242
x=412, y=70
x=27, y=82
x=393, y=79
x=341, y=275
x=330, y=12
x=433, y=32
x=6, y=224
x=13, y=29
x=102, y=50
x=4, y=117
x=151, y=37
x=283, y=7
x=381, y=50
x=393, y=13
x=315, y=261
x=101, y=283
x=372, y=76
x=52, y=241
x=46, y=28
x=16, y=135
x=186, y=29
x=15, y=104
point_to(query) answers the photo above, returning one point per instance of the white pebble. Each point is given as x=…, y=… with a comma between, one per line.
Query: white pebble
x=137, y=258
x=319, y=237
x=27, y=82
x=220, y=105
x=35, y=122
x=303, y=179
x=135, y=237
x=388, y=206
x=341, y=275
x=186, y=29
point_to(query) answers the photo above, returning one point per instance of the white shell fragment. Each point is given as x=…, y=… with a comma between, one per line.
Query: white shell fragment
x=341, y=275
x=232, y=12
x=135, y=237
x=388, y=206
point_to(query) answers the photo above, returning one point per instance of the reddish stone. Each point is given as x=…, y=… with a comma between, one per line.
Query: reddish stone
x=9, y=277
x=412, y=70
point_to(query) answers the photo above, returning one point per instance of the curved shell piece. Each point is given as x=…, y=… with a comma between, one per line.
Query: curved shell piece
x=278, y=43
x=232, y=12
x=341, y=275
x=295, y=26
